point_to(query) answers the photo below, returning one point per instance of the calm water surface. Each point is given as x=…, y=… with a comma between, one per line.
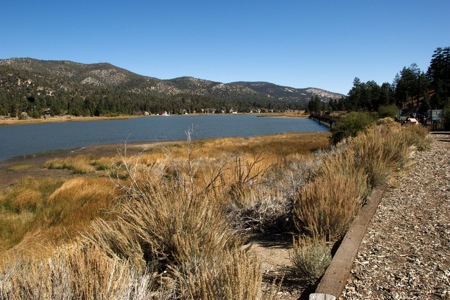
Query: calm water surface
x=27, y=139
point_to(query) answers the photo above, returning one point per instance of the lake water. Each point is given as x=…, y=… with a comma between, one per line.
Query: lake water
x=21, y=140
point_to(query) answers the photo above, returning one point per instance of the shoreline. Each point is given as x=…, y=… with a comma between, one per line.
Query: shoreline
x=69, y=118
x=16, y=168
x=132, y=148
x=60, y=119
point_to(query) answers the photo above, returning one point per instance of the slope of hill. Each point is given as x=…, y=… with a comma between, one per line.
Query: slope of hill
x=70, y=82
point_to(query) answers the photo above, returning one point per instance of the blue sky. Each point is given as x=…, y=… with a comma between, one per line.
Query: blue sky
x=323, y=44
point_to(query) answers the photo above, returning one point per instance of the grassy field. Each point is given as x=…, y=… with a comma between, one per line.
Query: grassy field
x=174, y=220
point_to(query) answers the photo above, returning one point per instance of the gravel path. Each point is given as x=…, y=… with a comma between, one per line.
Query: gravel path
x=405, y=253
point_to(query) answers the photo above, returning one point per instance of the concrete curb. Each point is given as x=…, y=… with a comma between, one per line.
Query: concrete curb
x=335, y=278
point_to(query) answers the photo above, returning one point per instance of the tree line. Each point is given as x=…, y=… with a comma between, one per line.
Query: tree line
x=411, y=90
x=38, y=95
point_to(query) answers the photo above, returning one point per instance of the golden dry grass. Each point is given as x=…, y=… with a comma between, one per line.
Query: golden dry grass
x=325, y=207
x=169, y=218
x=39, y=214
x=173, y=229
x=345, y=176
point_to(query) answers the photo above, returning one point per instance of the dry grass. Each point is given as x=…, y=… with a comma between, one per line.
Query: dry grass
x=19, y=206
x=74, y=272
x=325, y=207
x=171, y=227
x=176, y=228
x=276, y=149
x=48, y=212
x=82, y=164
x=344, y=177
x=311, y=258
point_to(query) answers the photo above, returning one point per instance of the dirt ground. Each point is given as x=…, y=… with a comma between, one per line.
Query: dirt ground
x=274, y=252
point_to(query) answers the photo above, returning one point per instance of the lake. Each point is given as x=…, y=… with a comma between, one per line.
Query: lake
x=21, y=140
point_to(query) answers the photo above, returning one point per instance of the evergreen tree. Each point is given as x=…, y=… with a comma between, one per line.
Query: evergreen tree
x=315, y=105
x=411, y=87
x=439, y=75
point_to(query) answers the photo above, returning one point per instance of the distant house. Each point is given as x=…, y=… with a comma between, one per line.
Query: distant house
x=209, y=110
x=47, y=111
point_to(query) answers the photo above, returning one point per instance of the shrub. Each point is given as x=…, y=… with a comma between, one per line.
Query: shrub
x=264, y=212
x=325, y=207
x=343, y=161
x=311, y=258
x=416, y=136
x=343, y=179
x=170, y=227
x=350, y=124
x=74, y=272
x=380, y=154
x=388, y=111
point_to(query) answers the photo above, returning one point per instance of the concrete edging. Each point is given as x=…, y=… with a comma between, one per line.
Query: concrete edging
x=335, y=278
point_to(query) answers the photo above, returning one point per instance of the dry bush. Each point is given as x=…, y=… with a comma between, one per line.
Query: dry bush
x=74, y=272
x=344, y=177
x=311, y=258
x=382, y=153
x=326, y=206
x=416, y=136
x=236, y=275
x=264, y=211
x=342, y=162
x=245, y=175
x=170, y=227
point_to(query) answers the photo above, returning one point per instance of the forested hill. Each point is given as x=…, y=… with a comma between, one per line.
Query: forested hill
x=65, y=87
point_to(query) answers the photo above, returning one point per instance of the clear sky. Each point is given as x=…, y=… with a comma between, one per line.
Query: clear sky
x=310, y=43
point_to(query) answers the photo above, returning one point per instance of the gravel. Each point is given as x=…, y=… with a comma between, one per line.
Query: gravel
x=405, y=253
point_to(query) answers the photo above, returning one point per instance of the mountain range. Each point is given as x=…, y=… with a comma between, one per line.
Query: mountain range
x=51, y=77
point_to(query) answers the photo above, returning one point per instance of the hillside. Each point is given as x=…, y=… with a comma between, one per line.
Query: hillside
x=90, y=89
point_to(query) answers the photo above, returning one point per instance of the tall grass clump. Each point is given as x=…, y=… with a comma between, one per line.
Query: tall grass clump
x=311, y=258
x=325, y=207
x=170, y=227
x=416, y=136
x=344, y=177
x=76, y=272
